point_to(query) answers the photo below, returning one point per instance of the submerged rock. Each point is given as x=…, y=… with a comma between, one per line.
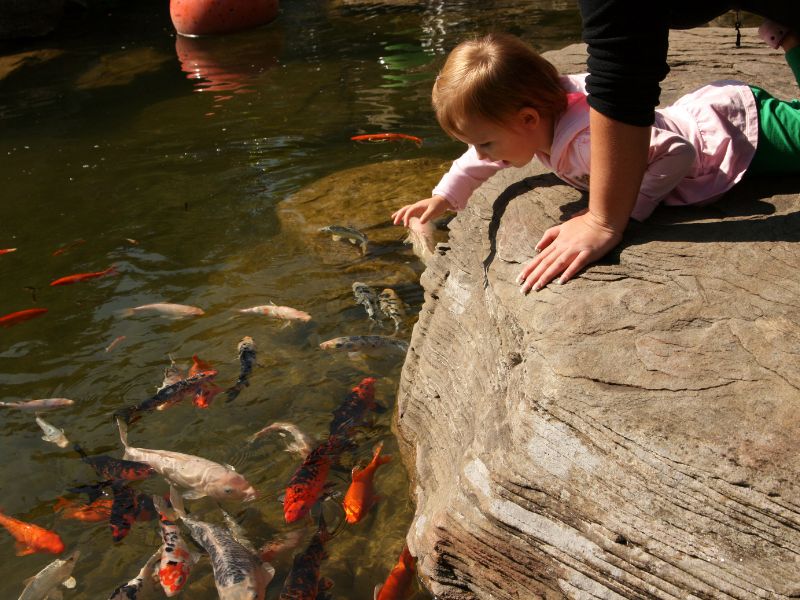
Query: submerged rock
x=633, y=433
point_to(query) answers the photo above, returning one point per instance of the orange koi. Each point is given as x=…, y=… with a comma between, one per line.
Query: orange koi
x=360, y=496
x=99, y=510
x=82, y=277
x=387, y=137
x=32, y=538
x=20, y=316
x=206, y=392
x=398, y=584
x=69, y=246
x=7, y=250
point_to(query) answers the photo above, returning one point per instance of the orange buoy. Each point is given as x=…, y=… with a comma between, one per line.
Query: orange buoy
x=207, y=17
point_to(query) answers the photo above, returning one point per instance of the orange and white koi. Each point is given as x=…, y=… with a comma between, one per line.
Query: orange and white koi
x=32, y=538
x=7, y=250
x=39, y=404
x=69, y=279
x=176, y=560
x=398, y=584
x=387, y=137
x=287, y=313
x=20, y=316
x=360, y=496
x=99, y=510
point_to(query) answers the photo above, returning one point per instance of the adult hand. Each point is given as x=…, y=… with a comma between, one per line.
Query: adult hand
x=566, y=249
x=427, y=209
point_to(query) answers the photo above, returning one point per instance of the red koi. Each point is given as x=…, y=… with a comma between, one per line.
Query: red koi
x=398, y=584
x=83, y=276
x=20, y=316
x=99, y=510
x=387, y=137
x=32, y=538
x=306, y=485
x=7, y=250
x=360, y=496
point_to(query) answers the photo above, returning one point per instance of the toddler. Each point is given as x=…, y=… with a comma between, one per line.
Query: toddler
x=510, y=105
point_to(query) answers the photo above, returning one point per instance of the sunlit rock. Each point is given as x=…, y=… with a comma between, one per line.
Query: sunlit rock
x=633, y=433
x=13, y=62
x=121, y=68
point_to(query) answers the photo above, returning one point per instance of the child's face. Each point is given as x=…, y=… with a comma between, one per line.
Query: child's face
x=515, y=141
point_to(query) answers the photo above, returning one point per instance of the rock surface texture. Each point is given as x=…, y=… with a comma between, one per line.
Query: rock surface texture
x=633, y=433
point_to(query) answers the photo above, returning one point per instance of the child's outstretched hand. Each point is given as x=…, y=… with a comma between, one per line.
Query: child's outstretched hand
x=427, y=209
x=565, y=249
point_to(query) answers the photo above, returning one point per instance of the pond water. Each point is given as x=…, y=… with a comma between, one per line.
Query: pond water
x=171, y=160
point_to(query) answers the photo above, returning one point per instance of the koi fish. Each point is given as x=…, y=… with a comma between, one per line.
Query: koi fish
x=176, y=560
x=31, y=538
x=175, y=311
x=7, y=250
x=353, y=409
x=237, y=531
x=39, y=404
x=352, y=235
x=365, y=343
x=287, y=313
x=110, y=468
x=392, y=306
x=360, y=496
x=128, y=507
x=398, y=584
x=116, y=342
x=387, y=137
x=141, y=585
x=368, y=298
x=206, y=392
x=44, y=584
x=69, y=279
x=166, y=396
x=238, y=573
x=20, y=316
x=308, y=481
x=301, y=445
x=69, y=246
x=303, y=582
x=203, y=477
x=99, y=510
x=247, y=358
x=52, y=434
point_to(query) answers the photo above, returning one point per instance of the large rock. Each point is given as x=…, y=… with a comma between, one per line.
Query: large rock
x=633, y=433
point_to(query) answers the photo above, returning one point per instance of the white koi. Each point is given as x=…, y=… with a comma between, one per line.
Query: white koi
x=45, y=583
x=287, y=313
x=40, y=404
x=52, y=434
x=302, y=443
x=176, y=311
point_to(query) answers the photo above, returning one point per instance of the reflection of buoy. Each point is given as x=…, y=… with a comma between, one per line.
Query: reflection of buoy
x=205, y=17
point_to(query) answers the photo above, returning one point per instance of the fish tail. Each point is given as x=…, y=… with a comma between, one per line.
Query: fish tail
x=233, y=392
x=79, y=450
x=123, y=432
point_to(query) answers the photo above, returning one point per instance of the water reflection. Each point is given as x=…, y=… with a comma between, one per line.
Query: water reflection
x=229, y=64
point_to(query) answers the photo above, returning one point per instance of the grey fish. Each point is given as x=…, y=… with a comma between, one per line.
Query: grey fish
x=52, y=434
x=368, y=298
x=44, y=585
x=365, y=343
x=354, y=236
x=247, y=359
x=140, y=585
x=393, y=307
x=238, y=573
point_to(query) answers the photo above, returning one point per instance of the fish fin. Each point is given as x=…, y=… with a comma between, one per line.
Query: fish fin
x=269, y=571
x=377, y=591
x=79, y=450
x=352, y=241
x=176, y=500
x=69, y=583
x=23, y=549
x=336, y=238
x=123, y=432
x=28, y=580
x=193, y=495
x=231, y=467
x=355, y=473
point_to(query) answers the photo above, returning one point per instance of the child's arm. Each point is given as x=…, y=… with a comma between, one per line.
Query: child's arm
x=453, y=190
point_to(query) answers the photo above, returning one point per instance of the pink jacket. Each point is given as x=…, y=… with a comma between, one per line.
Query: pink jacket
x=700, y=147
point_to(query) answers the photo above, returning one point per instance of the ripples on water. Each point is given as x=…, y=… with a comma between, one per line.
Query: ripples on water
x=116, y=131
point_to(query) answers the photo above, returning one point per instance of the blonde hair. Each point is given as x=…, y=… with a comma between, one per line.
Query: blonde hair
x=493, y=77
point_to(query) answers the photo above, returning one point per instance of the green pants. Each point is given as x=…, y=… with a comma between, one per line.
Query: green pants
x=778, y=148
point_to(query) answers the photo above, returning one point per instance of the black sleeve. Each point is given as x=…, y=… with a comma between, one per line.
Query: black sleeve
x=627, y=44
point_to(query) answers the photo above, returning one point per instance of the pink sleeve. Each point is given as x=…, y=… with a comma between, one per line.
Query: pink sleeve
x=671, y=158
x=465, y=176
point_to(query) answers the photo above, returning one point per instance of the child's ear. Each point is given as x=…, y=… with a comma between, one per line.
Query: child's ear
x=529, y=117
